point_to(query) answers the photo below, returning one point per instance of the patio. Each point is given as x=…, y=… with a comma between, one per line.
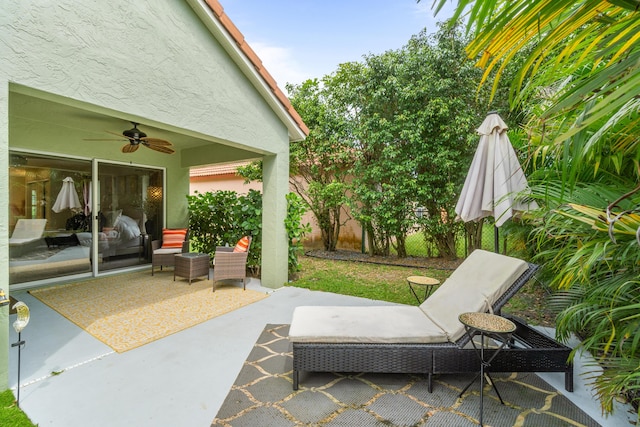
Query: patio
x=71, y=379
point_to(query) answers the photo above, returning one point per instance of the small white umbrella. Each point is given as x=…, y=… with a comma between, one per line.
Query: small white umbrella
x=494, y=178
x=67, y=197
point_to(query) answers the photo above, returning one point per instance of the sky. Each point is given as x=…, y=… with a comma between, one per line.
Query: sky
x=303, y=39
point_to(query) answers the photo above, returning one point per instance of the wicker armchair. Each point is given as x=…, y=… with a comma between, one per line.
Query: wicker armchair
x=166, y=256
x=228, y=264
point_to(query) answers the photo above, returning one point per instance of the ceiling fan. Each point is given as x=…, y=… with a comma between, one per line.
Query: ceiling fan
x=136, y=137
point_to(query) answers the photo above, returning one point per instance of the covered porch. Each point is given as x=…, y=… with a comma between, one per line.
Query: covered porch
x=76, y=73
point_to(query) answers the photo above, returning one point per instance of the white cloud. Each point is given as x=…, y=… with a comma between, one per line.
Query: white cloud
x=281, y=64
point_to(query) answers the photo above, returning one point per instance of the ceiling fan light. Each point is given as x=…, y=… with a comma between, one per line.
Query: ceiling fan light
x=134, y=134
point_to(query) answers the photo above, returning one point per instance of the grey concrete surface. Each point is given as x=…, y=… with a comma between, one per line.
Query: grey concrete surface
x=69, y=379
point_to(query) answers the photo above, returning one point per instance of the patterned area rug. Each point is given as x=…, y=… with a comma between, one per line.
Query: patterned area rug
x=129, y=310
x=262, y=396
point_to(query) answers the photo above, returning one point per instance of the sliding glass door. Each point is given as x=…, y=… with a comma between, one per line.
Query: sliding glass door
x=49, y=234
x=58, y=228
x=129, y=215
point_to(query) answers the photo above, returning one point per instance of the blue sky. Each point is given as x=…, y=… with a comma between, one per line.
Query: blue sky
x=301, y=39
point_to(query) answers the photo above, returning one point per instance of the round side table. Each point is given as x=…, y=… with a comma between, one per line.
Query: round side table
x=428, y=283
x=487, y=326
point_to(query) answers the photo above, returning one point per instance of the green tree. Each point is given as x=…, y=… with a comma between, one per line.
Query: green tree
x=582, y=93
x=414, y=111
x=319, y=163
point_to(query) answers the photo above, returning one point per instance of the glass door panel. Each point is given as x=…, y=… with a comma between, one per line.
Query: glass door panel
x=129, y=214
x=49, y=232
x=49, y=238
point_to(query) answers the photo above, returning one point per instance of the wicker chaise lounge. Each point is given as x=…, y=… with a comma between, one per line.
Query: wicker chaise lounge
x=428, y=339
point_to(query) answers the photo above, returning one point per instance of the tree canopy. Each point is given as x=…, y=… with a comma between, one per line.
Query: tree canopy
x=392, y=137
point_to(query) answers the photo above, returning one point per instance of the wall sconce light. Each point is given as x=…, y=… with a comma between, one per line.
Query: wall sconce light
x=154, y=194
x=3, y=298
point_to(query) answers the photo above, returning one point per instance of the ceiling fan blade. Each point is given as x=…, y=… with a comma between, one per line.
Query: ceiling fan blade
x=117, y=134
x=129, y=148
x=157, y=141
x=160, y=148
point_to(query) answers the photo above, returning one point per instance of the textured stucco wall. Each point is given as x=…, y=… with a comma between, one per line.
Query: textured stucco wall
x=4, y=235
x=153, y=59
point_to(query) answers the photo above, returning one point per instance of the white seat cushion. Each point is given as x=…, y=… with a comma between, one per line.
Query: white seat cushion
x=373, y=324
x=473, y=287
x=168, y=251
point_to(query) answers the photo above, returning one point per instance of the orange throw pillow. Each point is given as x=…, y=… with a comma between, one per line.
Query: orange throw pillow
x=242, y=245
x=173, y=238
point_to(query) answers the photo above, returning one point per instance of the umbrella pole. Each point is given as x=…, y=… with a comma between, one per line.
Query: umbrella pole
x=496, y=241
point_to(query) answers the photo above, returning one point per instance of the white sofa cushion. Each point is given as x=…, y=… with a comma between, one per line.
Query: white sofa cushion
x=371, y=324
x=473, y=287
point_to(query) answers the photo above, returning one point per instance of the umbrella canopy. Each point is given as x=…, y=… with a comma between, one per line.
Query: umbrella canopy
x=67, y=197
x=494, y=178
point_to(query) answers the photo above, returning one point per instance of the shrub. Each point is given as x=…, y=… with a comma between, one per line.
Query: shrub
x=223, y=217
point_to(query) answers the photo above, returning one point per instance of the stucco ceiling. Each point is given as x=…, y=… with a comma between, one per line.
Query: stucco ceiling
x=27, y=111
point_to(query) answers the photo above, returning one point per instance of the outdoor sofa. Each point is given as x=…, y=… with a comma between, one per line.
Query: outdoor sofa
x=428, y=339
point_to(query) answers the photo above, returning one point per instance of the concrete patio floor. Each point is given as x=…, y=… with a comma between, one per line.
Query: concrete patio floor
x=71, y=379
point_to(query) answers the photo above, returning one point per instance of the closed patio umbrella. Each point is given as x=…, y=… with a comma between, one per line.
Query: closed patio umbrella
x=67, y=197
x=494, y=178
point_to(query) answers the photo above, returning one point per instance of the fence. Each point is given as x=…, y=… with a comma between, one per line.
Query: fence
x=510, y=242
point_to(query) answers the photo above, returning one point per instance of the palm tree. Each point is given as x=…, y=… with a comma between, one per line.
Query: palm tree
x=580, y=87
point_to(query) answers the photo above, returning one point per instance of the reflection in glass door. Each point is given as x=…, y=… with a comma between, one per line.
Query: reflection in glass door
x=49, y=233
x=129, y=214
x=49, y=239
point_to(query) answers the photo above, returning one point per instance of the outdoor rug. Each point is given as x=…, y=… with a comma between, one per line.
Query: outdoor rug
x=262, y=396
x=129, y=310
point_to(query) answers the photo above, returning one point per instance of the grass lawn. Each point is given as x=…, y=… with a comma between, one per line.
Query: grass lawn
x=388, y=283
x=10, y=414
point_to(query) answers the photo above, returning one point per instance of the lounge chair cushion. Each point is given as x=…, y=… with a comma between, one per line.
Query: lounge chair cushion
x=370, y=324
x=27, y=231
x=473, y=287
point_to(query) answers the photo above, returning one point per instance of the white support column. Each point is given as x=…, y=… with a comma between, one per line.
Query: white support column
x=4, y=232
x=275, y=175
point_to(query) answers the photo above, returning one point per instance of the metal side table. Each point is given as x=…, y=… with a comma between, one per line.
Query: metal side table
x=487, y=326
x=428, y=283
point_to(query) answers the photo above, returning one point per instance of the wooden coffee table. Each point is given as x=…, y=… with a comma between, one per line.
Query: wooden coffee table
x=191, y=265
